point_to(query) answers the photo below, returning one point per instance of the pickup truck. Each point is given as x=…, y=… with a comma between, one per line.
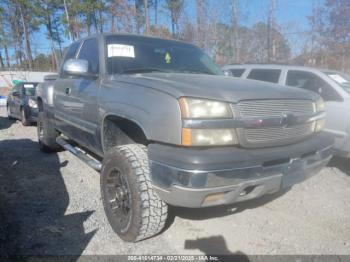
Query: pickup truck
x=164, y=126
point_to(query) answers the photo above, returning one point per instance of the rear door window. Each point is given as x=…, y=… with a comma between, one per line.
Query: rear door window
x=266, y=75
x=312, y=82
x=237, y=72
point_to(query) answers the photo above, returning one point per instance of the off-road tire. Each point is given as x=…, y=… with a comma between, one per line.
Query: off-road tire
x=47, y=134
x=9, y=113
x=148, y=212
x=25, y=121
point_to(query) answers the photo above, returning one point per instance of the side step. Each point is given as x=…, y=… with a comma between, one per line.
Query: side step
x=83, y=156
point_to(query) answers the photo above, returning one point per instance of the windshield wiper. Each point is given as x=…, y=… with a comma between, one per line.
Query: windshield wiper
x=141, y=70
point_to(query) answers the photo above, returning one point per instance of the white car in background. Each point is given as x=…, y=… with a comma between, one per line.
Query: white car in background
x=333, y=86
x=3, y=100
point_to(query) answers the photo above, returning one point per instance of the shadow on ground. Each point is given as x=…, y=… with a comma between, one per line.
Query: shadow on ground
x=33, y=200
x=215, y=246
x=5, y=122
x=343, y=164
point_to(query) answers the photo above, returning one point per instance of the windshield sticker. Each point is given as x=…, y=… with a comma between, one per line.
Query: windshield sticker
x=167, y=58
x=28, y=86
x=338, y=79
x=120, y=50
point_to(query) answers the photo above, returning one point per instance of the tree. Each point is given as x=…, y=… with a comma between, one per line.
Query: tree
x=175, y=8
x=234, y=35
x=28, y=22
x=47, y=11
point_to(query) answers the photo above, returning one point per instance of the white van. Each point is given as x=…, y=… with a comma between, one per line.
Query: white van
x=333, y=86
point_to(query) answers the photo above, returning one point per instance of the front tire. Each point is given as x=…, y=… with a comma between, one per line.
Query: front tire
x=133, y=208
x=47, y=134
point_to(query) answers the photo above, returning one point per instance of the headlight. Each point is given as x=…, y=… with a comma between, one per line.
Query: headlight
x=208, y=137
x=32, y=103
x=320, y=105
x=204, y=109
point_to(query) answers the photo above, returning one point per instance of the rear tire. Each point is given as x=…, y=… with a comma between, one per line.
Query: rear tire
x=25, y=121
x=133, y=208
x=9, y=113
x=47, y=134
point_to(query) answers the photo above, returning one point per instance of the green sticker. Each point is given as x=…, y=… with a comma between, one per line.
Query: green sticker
x=167, y=58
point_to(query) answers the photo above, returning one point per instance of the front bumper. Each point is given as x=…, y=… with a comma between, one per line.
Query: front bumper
x=207, y=177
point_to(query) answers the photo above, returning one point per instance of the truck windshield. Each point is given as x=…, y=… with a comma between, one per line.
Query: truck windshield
x=341, y=79
x=131, y=55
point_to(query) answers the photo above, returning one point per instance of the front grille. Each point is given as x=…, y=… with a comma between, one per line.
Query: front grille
x=274, y=108
x=279, y=134
x=271, y=136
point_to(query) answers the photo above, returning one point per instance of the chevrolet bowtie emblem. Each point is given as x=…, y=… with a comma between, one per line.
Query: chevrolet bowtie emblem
x=287, y=120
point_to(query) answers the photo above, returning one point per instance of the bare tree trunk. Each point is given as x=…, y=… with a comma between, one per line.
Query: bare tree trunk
x=27, y=40
x=7, y=57
x=200, y=22
x=270, y=28
x=156, y=13
x=1, y=61
x=145, y=3
x=234, y=39
x=71, y=36
x=50, y=34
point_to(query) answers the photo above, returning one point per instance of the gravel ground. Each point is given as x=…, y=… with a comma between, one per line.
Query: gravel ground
x=51, y=205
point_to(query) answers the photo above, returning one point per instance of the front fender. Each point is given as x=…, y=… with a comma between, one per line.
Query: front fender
x=158, y=114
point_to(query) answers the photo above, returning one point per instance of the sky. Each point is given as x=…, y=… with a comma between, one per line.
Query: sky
x=291, y=16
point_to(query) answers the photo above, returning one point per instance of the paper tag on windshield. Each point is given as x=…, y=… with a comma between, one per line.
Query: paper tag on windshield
x=338, y=79
x=28, y=86
x=121, y=50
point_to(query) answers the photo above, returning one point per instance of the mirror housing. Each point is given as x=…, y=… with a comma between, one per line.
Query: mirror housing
x=76, y=67
x=15, y=93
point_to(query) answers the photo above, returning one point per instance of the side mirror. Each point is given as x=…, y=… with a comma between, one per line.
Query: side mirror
x=76, y=67
x=15, y=93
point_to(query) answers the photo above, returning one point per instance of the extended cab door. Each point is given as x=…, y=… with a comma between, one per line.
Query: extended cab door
x=77, y=98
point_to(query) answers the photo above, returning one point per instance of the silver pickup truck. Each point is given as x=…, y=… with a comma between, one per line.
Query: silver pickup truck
x=163, y=125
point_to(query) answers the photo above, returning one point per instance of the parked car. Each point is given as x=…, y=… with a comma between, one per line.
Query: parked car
x=22, y=104
x=3, y=100
x=333, y=86
x=163, y=125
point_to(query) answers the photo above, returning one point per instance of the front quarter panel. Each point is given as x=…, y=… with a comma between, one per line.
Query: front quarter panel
x=157, y=113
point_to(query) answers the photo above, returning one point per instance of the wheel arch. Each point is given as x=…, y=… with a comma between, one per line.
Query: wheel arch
x=120, y=130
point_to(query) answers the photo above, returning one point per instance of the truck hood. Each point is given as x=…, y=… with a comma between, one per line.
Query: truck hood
x=221, y=88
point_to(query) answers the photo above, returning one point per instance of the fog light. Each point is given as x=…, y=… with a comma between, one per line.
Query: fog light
x=213, y=197
x=320, y=125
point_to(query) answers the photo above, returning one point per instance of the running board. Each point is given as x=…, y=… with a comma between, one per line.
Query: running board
x=83, y=156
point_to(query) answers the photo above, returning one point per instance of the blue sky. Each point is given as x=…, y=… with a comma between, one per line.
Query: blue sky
x=291, y=15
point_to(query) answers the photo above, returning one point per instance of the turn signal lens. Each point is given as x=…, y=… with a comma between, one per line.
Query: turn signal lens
x=320, y=125
x=208, y=137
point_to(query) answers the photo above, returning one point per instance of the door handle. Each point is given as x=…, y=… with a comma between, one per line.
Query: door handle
x=68, y=91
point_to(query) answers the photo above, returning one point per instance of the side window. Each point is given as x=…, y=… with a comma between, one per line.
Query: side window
x=237, y=72
x=266, y=75
x=72, y=50
x=89, y=52
x=312, y=82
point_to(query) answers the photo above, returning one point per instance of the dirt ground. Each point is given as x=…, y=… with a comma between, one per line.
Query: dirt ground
x=50, y=204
